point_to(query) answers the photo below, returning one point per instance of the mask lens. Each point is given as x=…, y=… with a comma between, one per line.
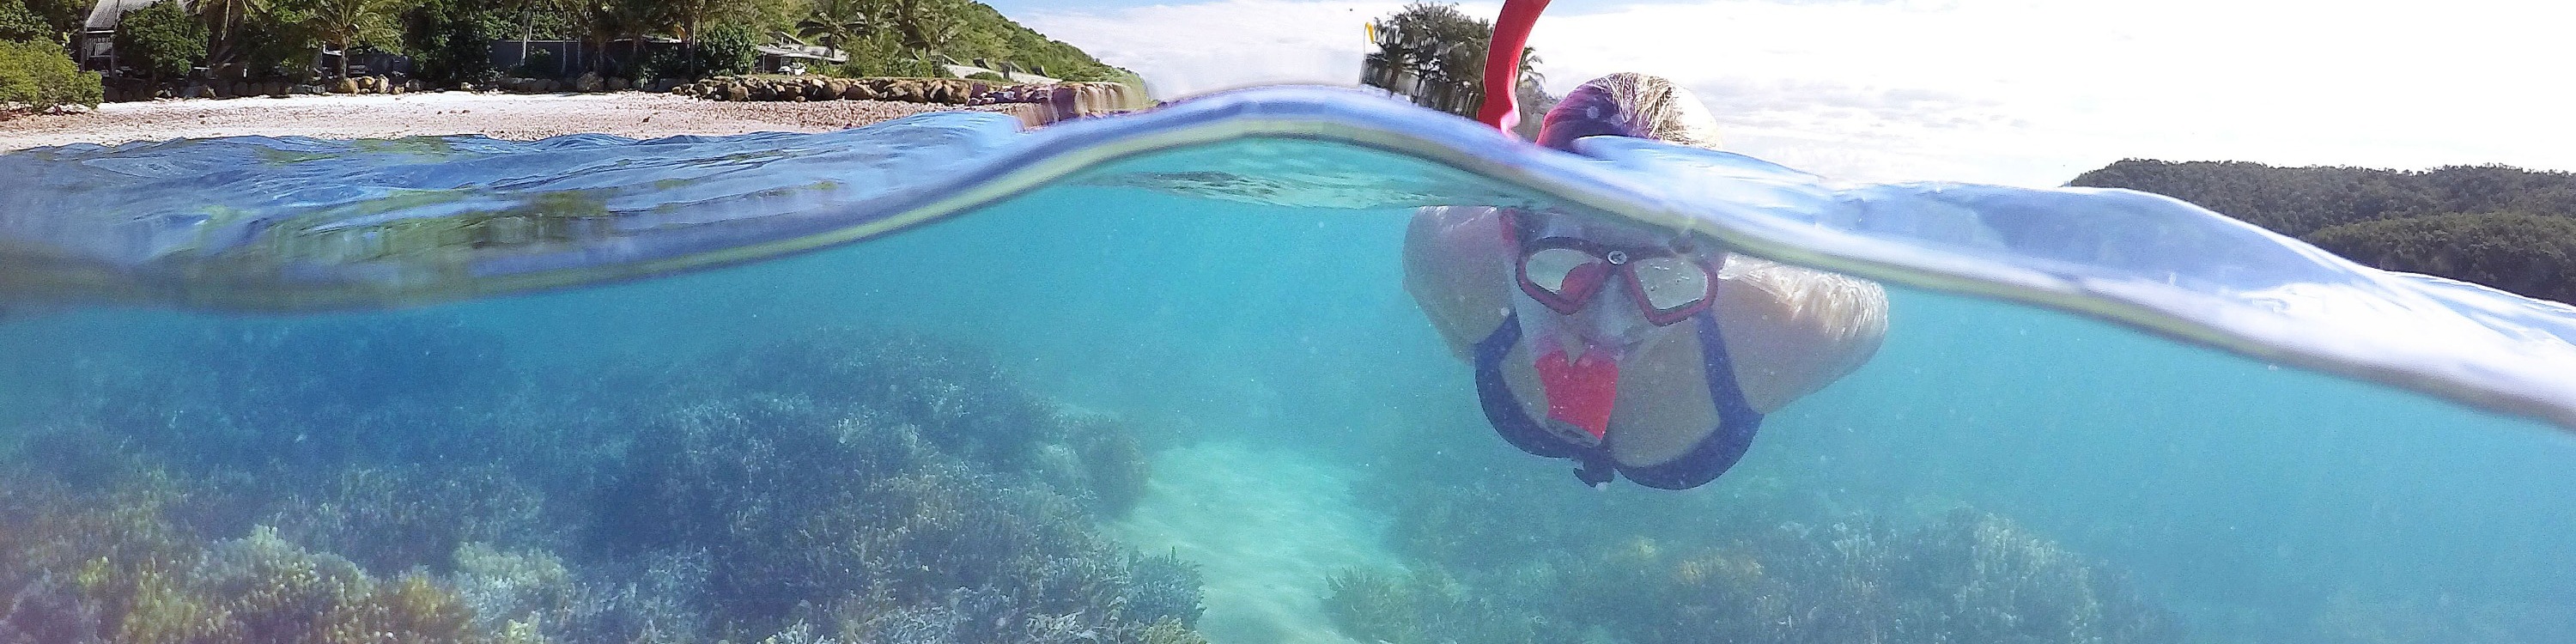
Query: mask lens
x=1550, y=268
x=1670, y=283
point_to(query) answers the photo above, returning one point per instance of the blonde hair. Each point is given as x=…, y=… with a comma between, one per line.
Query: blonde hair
x=1632, y=104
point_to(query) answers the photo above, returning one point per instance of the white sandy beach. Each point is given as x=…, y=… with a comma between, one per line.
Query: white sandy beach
x=504, y=116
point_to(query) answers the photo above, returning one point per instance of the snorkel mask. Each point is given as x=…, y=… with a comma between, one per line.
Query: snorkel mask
x=1578, y=337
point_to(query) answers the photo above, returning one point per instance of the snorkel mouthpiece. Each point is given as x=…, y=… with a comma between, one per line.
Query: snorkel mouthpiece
x=1581, y=390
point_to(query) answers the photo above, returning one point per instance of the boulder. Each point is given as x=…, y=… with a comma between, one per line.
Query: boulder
x=616, y=84
x=836, y=88
x=736, y=92
x=548, y=86
x=345, y=86
x=305, y=89
x=859, y=92
x=903, y=90
x=588, y=82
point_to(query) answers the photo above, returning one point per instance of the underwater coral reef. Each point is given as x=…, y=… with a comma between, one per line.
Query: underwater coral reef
x=1521, y=559
x=405, y=480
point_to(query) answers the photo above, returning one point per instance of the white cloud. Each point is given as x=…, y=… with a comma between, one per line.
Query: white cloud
x=2010, y=91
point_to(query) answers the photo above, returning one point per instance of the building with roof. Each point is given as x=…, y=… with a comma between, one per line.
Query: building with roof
x=96, y=46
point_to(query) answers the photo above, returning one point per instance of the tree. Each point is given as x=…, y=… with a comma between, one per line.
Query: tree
x=2533, y=255
x=161, y=40
x=19, y=24
x=222, y=18
x=41, y=20
x=839, y=22
x=348, y=24
x=1434, y=55
x=924, y=26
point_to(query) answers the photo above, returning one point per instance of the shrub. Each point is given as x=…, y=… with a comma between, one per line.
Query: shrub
x=162, y=40
x=540, y=63
x=725, y=49
x=38, y=76
x=988, y=76
x=662, y=63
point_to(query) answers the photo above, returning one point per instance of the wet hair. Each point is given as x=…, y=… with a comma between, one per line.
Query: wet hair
x=1633, y=105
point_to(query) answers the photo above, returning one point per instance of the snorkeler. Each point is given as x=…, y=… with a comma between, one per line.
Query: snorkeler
x=1630, y=350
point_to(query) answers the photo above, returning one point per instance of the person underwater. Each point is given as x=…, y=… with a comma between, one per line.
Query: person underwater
x=1631, y=350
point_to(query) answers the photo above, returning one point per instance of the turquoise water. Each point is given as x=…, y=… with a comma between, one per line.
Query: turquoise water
x=1118, y=409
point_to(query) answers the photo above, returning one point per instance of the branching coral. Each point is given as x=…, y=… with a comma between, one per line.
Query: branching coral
x=1687, y=569
x=397, y=482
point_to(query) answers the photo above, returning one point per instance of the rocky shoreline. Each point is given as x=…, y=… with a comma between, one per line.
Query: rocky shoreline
x=1048, y=102
x=1054, y=101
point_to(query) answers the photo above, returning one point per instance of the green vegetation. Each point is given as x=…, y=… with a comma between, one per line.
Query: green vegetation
x=1434, y=55
x=450, y=40
x=2500, y=226
x=346, y=24
x=20, y=24
x=162, y=40
x=36, y=76
x=2534, y=255
x=41, y=20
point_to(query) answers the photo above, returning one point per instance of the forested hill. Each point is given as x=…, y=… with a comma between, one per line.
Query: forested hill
x=986, y=32
x=2504, y=227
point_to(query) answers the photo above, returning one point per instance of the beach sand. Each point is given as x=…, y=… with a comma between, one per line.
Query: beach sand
x=503, y=116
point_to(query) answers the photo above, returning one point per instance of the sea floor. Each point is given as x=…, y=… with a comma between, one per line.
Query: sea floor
x=1267, y=526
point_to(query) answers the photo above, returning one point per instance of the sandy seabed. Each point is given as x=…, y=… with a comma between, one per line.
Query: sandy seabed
x=503, y=116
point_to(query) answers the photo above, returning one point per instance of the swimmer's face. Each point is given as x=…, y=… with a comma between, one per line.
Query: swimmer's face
x=1612, y=318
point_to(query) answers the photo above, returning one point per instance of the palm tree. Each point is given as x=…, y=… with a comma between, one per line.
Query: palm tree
x=634, y=19
x=925, y=26
x=837, y=22
x=220, y=16
x=349, y=23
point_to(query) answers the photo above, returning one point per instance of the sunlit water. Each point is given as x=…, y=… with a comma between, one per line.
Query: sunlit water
x=1305, y=427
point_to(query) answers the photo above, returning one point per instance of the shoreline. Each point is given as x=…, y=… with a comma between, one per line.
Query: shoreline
x=518, y=117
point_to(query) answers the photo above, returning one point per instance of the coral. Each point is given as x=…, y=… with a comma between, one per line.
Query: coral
x=512, y=590
x=1427, y=607
x=797, y=505
x=649, y=598
x=1164, y=587
x=1114, y=466
x=1512, y=559
x=277, y=591
x=394, y=518
x=412, y=488
x=1169, y=631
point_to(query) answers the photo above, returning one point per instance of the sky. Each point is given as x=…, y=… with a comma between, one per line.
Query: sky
x=2016, y=92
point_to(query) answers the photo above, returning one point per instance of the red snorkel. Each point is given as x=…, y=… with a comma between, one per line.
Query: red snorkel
x=1503, y=62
